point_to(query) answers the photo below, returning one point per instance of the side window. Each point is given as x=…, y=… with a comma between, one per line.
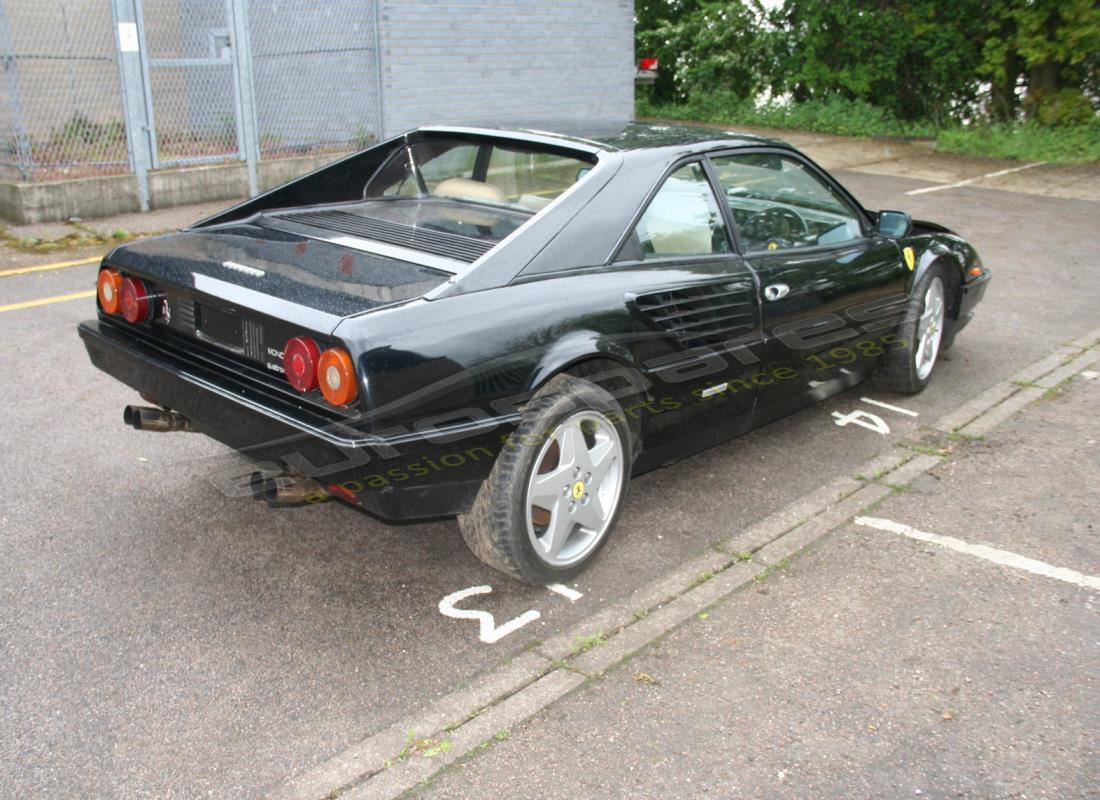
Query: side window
x=778, y=203
x=457, y=162
x=531, y=179
x=683, y=219
x=437, y=162
x=395, y=179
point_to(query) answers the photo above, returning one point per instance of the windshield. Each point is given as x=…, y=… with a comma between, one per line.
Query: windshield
x=515, y=177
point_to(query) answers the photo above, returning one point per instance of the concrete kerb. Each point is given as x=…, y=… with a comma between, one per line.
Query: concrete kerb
x=1083, y=361
x=1047, y=372
x=367, y=758
x=406, y=773
x=876, y=468
x=995, y=394
x=658, y=623
x=809, y=533
x=469, y=718
x=999, y=413
x=1090, y=339
x=917, y=465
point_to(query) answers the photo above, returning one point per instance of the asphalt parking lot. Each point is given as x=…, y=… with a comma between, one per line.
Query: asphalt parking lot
x=161, y=639
x=876, y=664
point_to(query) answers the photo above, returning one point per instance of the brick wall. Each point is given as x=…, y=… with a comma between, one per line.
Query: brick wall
x=544, y=63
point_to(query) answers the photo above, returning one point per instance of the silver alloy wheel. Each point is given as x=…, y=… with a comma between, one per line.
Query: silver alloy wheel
x=574, y=489
x=930, y=328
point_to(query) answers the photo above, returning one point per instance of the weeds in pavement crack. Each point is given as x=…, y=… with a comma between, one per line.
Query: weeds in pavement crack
x=586, y=643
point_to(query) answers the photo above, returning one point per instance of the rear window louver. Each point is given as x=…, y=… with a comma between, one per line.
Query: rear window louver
x=701, y=315
x=448, y=245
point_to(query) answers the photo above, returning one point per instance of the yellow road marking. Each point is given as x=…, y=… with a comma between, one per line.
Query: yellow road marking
x=44, y=267
x=47, y=300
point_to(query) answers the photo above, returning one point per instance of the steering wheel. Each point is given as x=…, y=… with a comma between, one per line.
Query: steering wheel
x=775, y=224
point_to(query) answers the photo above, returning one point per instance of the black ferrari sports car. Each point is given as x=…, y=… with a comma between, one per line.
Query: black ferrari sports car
x=507, y=325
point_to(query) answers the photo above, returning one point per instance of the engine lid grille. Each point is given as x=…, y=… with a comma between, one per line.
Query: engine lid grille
x=440, y=243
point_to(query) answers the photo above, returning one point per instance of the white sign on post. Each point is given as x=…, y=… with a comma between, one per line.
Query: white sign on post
x=127, y=37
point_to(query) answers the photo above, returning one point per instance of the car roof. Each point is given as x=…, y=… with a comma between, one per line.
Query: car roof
x=650, y=135
x=626, y=137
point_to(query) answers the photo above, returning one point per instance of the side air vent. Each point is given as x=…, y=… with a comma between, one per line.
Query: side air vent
x=448, y=245
x=701, y=315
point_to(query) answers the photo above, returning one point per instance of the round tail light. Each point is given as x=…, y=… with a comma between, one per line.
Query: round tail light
x=108, y=286
x=134, y=300
x=300, y=358
x=336, y=374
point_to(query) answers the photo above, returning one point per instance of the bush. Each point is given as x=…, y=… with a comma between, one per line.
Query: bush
x=80, y=129
x=1026, y=141
x=835, y=114
x=1074, y=144
x=1064, y=107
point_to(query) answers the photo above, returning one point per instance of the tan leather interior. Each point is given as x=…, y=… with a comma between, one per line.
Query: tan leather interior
x=467, y=214
x=464, y=189
x=533, y=202
x=682, y=241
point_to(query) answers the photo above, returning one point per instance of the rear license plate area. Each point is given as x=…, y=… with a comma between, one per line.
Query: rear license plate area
x=219, y=327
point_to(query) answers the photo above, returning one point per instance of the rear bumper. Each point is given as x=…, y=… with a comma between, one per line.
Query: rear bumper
x=401, y=476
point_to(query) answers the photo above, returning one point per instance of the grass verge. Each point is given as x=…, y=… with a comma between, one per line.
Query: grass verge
x=1022, y=141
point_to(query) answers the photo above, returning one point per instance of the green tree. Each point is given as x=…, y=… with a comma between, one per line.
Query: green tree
x=716, y=47
x=916, y=59
x=1051, y=45
x=651, y=17
x=919, y=60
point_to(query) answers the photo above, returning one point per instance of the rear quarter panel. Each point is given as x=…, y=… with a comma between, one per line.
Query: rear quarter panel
x=482, y=354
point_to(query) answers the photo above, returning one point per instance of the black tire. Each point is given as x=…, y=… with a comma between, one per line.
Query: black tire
x=898, y=370
x=496, y=527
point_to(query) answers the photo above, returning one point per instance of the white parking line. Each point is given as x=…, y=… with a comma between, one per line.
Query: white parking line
x=889, y=407
x=566, y=591
x=1002, y=557
x=969, y=181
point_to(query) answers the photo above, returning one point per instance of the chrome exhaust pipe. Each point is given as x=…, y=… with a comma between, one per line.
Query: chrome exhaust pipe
x=290, y=490
x=144, y=418
x=257, y=483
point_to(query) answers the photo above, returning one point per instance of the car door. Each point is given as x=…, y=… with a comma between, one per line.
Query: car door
x=831, y=290
x=695, y=293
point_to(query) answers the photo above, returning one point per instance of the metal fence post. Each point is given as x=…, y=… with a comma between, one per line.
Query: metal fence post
x=15, y=98
x=378, y=69
x=132, y=77
x=246, y=94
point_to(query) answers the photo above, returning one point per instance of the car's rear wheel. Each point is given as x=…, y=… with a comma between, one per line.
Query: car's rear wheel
x=556, y=490
x=909, y=368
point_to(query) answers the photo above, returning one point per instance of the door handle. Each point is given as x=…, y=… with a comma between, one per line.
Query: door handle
x=777, y=291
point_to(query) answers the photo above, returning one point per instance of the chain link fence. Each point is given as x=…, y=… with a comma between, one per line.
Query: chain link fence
x=60, y=103
x=189, y=61
x=217, y=80
x=316, y=72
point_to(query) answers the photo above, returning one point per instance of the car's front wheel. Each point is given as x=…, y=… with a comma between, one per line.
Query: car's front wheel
x=908, y=369
x=557, y=487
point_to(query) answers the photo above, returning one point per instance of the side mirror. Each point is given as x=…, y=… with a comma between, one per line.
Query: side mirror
x=894, y=224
